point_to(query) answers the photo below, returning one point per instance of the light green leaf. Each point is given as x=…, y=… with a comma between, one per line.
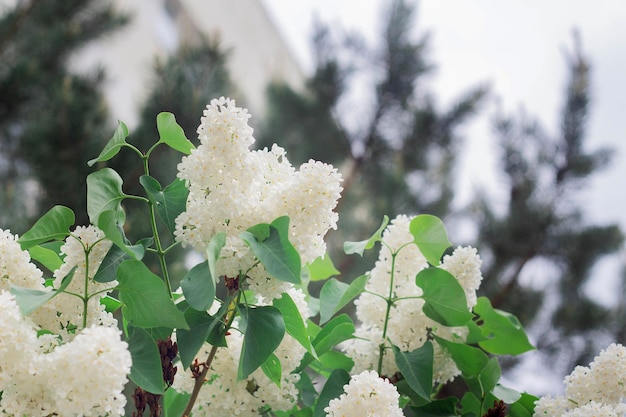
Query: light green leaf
x=29, y=299
x=321, y=268
x=113, y=146
x=505, y=335
x=444, y=298
x=336, y=294
x=470, y=360
x=199, y=287
x=169, y=203
x=417, y=368
x=110, y=304
x=360, y=247
x=294, y=325
x=146, y=370
x=332, y=389
x=276, y=253
x=272, y=369
x=109, y=223
x=104, y=192
x=334, y=359
x=171, y=134
x=524, y=407
x=508, y=395
x=430, y=237
x=47, y=257
x=174, y=402
x=337, y=330
x=264, y=330
x=146, y=302
x=54, y=225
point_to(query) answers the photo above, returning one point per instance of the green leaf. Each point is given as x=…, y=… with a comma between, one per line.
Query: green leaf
x=54, y=225
x=146, y=370
x=169, y=203
x=201, y=324
x=486, y=380
x=337, y=330
x=113, y=146
x=438, y=408
x=468, y=359
x=265, y=329
x=332, y=389
x=199, y=287
x=104, y=192
x=444, y=298
x=213, y=250
x=321, y=268
x=47, y=257
x=276, y=253
x=146, y=302
x=272, y=369
x=524, y=407
x=110, y=304
x=360, y=247
x=508, y=395
x=430, y=237
x=417, y=368
x=174, y=402
x=107, y=271
x=29, y=299
x=171, y=134
x=505, y=335
x=336, y=360
x=109, y=223
x=336, y=294
x=294, y=325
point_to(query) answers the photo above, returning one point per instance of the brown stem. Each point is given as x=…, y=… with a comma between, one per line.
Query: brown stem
x=199, y=382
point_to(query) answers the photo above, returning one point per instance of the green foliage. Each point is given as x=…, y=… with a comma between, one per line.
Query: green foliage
x=54, y=225
x=444, y=298
x=430, y=237
x=146, y=370
x=30, y=299
x=169, y=202
x=417, y=368
x=336, y=294
x=264, y=329
x=199, y=287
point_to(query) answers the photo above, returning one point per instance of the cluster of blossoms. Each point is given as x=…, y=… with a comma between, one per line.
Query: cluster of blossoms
x=223, y=394
x=597, y=390
x=232, y=188
x=407, y=326
x=366, y=394
x=57, y=361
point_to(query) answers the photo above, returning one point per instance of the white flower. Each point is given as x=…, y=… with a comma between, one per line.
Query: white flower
x=597, y=390
x=232, y=188
x=366, y=395
x=407, y=326
x=15, y=265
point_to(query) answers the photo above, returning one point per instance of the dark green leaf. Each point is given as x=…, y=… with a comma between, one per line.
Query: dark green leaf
x=321, y=268
x=294, y=325
x=276, y=253
x=146, y=370
x=336, y=294
x=54, y=225
x=171, y=134
x=417, y=368
x=107, y=271
x=444, y=298
x=265, y=329
x=360, y=247
x=337, y=330
x=104, y=192
x=505, y=335
x=438, y=408
x=201, y=324
x=168, y=203
x=29, y=299
x=199, y=287
x=332, y=389
x=113, y=146
x=146, y=302
x=272, y=369
x=430, y=236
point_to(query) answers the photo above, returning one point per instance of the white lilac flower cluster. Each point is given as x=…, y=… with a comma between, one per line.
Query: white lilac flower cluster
x=232, y=188
x=407, y=326
x=223, y=394
x=50, y=364
x=597, y=390
x=366, y=395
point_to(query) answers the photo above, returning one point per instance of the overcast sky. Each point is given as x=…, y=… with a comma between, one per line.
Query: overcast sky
x=519, y=47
